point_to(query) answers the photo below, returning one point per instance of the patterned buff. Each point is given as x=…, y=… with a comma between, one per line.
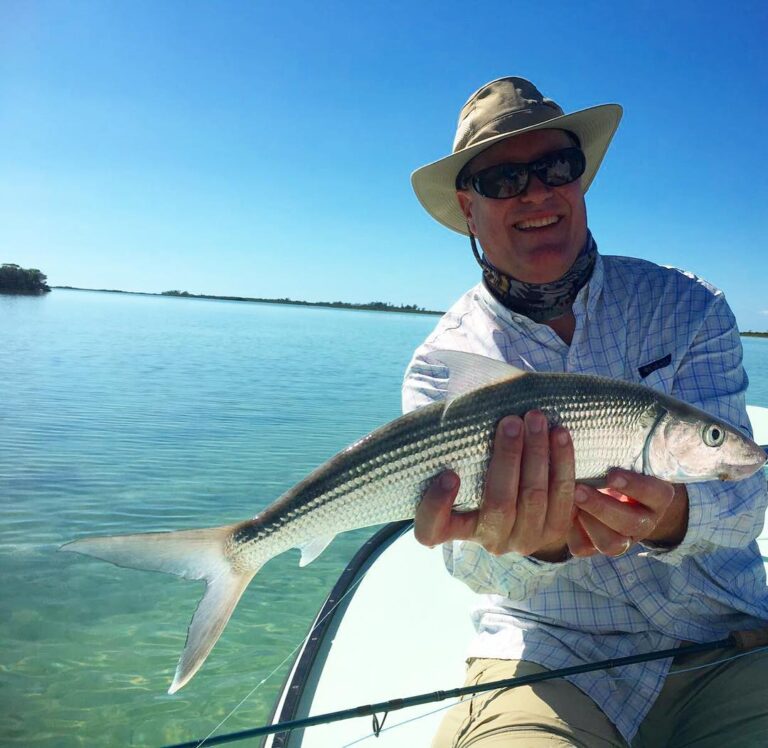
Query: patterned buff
x=539, y=301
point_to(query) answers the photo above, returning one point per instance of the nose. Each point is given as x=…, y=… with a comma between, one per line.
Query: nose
x=536, y=192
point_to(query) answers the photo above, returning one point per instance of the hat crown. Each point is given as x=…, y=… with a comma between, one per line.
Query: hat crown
x=502, y=106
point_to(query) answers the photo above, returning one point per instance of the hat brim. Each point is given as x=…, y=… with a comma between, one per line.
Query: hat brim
x=435, y=183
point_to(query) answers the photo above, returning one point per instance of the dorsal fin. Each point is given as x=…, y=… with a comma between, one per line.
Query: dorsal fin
x=468, y=371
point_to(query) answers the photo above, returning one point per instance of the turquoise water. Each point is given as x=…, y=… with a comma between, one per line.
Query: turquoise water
x=125, y=413
x=129, y=414
x=756, y=364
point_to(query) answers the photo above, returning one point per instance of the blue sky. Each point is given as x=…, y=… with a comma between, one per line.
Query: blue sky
x=264, y=149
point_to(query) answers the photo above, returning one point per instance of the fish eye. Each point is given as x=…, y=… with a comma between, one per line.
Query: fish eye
x=713, y=435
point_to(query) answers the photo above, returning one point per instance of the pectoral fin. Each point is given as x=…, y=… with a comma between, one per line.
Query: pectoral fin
x=311, y=550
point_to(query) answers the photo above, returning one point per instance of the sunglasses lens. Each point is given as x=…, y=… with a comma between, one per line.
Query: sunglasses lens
x=560, y=168
x=510, y=180
x=504, y=180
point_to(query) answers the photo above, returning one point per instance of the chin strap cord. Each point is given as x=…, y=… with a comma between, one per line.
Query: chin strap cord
x=742, y=640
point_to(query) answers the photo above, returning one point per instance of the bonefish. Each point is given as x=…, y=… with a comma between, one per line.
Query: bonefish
x=382, y=477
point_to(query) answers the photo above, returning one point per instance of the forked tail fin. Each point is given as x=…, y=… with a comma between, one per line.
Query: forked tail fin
x=192, y=554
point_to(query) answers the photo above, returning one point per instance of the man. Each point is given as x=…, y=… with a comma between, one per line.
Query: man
x=570, y=574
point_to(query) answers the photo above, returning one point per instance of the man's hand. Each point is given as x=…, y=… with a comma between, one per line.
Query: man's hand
x=633, y=508
x=528, y=502
x=532, y=506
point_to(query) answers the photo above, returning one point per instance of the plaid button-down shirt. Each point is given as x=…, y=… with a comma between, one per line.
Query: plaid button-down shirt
x=673, y=332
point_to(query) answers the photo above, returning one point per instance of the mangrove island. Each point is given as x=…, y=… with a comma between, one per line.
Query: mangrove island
x=15, y=279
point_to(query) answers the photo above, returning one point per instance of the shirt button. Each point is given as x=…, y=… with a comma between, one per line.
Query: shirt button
x=518, y=319
x=631, y=578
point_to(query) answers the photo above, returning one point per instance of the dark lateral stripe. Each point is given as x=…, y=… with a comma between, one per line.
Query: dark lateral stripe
x=647, y=369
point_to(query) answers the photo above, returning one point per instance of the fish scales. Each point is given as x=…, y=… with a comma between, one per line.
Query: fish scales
x=608, y=424
x=381, y=465
x=381, y=478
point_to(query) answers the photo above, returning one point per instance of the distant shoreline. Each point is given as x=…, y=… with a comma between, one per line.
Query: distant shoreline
x=374, y=306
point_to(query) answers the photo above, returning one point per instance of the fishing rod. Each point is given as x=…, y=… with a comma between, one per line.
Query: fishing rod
x=742, y=640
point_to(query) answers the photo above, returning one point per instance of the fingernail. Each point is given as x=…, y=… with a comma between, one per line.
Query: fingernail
x=448, y=481
x=511, y=427
x=562, y=437
x=617, y=481
x=535, y=423
x=579, y=495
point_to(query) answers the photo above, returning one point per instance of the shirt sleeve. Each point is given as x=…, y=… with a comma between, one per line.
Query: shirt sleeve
x=711, y=377
x=514, y=576
x=511, y=575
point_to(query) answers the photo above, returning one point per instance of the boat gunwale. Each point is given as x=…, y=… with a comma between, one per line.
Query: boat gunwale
x=317, y=645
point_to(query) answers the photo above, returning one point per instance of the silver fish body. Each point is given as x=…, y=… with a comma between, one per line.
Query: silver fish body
x=382, y=477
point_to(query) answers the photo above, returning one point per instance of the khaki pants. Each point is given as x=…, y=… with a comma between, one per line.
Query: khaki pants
x=722, y=706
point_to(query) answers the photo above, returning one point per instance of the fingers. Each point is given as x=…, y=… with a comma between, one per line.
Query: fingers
x=652, y=493
x=528, y=497
x=532, y=506
x=545, y=503
x=562, y=476
x=533, y=502
x=632, y=507
x=435, y=522
x=527, y=504
x=666, y=521
x=603, y=538
x=579, y=543
x=497, y=514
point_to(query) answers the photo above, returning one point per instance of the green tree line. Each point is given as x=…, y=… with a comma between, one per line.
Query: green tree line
x=15, y=279
x=378, y=306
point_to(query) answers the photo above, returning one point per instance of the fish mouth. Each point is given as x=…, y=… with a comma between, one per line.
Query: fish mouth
x=753, y=462
x=533, y=224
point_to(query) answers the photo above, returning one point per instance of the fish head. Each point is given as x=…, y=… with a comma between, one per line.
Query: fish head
x=691, y=446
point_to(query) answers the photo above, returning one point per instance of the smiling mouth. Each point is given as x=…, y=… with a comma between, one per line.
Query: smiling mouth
x=537, y=223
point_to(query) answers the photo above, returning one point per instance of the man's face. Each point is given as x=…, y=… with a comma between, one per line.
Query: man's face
x=535, y=254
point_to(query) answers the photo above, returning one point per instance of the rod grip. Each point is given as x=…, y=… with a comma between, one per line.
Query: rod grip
x=750, y=639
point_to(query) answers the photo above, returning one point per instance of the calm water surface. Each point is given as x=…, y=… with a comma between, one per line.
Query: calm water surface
x=127, y=413
x=130, y=414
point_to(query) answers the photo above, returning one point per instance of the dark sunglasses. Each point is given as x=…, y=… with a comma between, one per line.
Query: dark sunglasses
x=510, y=180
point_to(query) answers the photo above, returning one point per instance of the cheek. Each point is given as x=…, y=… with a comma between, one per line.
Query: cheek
x=491, y=216
x=477, y=214
x=575, y=198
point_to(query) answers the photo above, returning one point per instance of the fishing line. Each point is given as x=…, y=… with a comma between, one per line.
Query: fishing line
x=476, y=695
x=288, y=657
x=277, y=667
x=707, y=664
x=443, y=708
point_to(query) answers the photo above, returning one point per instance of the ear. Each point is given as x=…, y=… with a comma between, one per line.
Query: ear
x=465, y=203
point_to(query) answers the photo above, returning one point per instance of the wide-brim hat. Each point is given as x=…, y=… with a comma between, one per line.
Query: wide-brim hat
x=502, y=109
